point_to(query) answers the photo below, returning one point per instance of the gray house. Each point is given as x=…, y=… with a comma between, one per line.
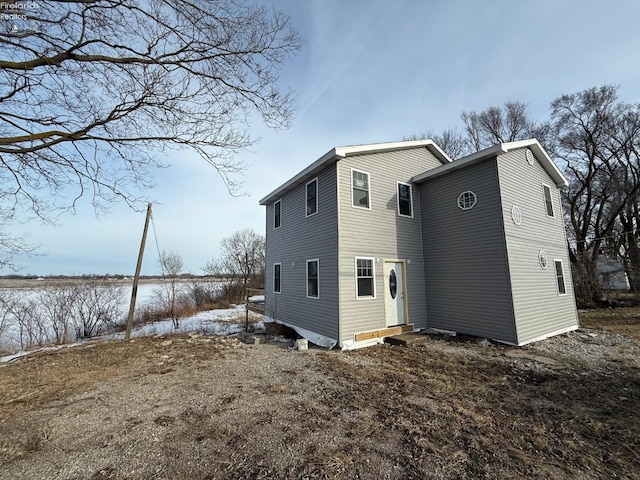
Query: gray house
x=374, y=240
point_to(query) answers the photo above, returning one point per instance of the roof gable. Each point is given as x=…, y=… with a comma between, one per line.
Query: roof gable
x=542, y=156
x=337, y=153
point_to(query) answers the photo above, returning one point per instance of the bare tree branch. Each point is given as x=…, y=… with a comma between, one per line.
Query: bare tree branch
x=91, y=92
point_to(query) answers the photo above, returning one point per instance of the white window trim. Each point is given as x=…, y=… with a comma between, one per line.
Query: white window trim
x=475, y=200
x=305, y=198
x=306, y=276
x=410, y=198
x=373, y=269
x=274, y=214
x=564, y=277
x=369, y=190
x=544, y=201
x=273, y=285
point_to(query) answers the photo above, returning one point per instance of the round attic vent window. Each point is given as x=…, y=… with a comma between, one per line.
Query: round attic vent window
x=530, y=157
x=516, y=215
x=542, y=259
x=467, y=200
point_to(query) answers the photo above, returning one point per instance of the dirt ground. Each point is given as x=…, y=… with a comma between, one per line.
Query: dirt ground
x=195, y=407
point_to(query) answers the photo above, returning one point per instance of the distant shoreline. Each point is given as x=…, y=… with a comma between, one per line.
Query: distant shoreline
x=33, y=281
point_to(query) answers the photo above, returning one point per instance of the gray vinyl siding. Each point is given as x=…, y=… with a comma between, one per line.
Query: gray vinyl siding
x=379, y=232
x=465, y=261
x=539, y=310
x=299, y=239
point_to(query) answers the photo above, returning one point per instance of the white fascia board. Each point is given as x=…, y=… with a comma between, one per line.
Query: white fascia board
x=395, y=146
x=464, y=161
x=341, y=152
x=331, y=156
x=542, y=156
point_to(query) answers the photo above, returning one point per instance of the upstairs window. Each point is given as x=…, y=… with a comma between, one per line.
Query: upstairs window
x=562, y=289
x=405, y=200
x=313, y=279
x=277, y=209
x=365, y=278
x=547, y=200
x=277, y=277
x=312, y=197
x=360, y=189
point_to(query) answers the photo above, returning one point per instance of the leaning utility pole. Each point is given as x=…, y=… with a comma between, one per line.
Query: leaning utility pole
x=136, y=277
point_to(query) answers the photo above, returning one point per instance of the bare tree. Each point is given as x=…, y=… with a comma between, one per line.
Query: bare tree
x=597, y=139
x=9, y=301
x=487, y=128
x=56, y=304
x=497, y=125
x=225, y=271
x=92, y=91
x=242, y=259
x=98, y=305
x=451, y=141
x=31, y=327
x=171, y=264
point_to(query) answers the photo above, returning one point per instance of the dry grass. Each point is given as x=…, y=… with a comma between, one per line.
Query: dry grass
x=618, y=320
x=198, y=407
x=469, y=417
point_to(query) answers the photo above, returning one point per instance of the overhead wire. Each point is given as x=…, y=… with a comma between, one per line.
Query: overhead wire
x=155, y=238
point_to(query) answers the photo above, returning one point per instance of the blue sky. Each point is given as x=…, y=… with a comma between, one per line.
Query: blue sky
x=369, y=71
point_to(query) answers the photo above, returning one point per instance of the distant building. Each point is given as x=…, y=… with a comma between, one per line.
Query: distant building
x=374, y=240
x=612, y=274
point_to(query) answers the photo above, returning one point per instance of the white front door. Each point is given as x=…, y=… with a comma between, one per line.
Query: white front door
x=394, y=293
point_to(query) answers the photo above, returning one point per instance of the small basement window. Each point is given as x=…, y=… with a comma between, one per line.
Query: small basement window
x=467, y=200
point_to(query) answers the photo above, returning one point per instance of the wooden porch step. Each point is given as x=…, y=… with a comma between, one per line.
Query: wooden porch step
x=384, y=332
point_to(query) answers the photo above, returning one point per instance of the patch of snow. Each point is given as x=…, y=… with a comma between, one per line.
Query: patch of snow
x=10, y=358
x=213, y=322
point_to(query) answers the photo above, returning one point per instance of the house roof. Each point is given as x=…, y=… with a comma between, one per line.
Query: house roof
x=498, y=149
x=338, y=153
